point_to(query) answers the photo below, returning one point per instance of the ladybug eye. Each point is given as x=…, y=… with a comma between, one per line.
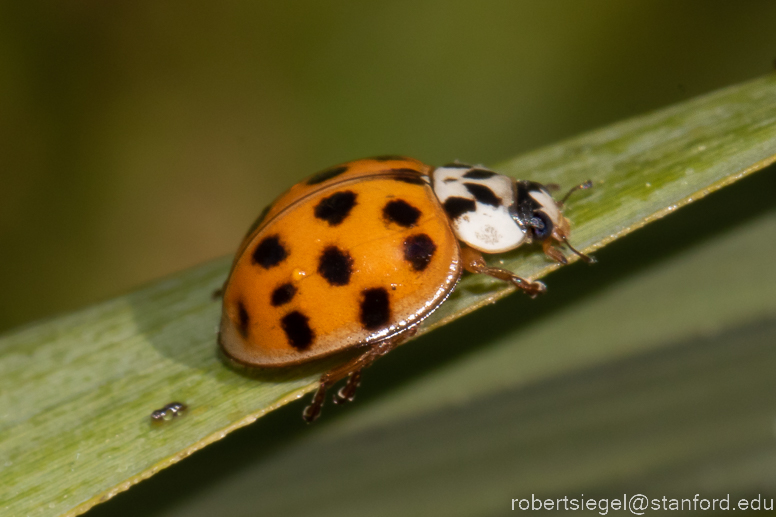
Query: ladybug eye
x=541, y=225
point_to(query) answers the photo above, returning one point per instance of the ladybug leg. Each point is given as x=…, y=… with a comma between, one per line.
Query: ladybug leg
x=586, y=258
x=348, y=392
x=218, y=293
x=474, y=263
x=553, y=252
x=352, y=369
x=561, y=234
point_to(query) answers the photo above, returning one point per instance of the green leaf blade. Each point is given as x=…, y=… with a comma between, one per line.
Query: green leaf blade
x=76, y=392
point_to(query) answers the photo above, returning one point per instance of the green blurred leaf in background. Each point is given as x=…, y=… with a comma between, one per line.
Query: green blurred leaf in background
x=138, y=139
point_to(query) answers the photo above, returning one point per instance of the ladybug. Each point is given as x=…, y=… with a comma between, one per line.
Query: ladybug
x=356, y=256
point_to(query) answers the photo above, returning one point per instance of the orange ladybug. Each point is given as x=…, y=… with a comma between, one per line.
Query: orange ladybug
x=359, y=254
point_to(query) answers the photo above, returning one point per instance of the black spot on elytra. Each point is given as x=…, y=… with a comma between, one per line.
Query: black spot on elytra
x=326, y=175
x=404, y=170
x=297, y=328
x=282, y=295
x=375, y=308
x=335, y=266
x=456, y=165
x=479, y=174
x=270, y=252
x=412, y=180
x=418, y=250
x=336, y=207
x=400, y=212
x=388, y=157
x=243, y=319
x=457, y=206
x=483, y=194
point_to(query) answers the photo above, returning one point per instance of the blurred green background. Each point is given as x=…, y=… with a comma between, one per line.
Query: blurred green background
x=138, y=139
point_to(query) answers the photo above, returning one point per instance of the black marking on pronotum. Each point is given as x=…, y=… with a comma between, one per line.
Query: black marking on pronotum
x=336, y=207
x=326, y=175
x=388, y=157
x=457, y=206
x=524, y=199
x=525, y=205
x=479, y=174
x=297, y=328
x=483, y=194
x=335, y=265
x=418, y=250
x=456, y=165
x=270, y=252
x=243, y=319
x=375, y=308
x=282, y=295
x=400, y=212
x=450, y=180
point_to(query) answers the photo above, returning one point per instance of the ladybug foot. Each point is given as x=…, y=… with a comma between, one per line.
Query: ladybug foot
x=532, y=289
x=313, y=411
x=553, y=253
x=348, y=392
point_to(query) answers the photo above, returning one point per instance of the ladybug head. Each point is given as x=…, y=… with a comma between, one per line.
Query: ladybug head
x=537, y=212
x=541, y=215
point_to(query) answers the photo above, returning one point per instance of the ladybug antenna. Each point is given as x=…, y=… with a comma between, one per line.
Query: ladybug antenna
x=586, y=258
x=582, y=186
